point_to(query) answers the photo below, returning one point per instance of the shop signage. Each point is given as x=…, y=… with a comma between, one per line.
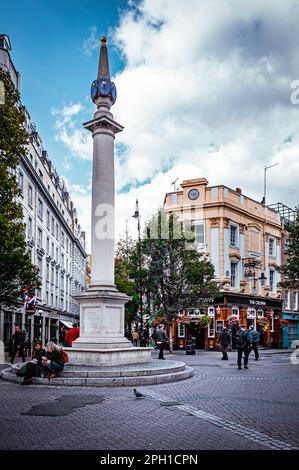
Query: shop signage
x=246, y=300
x=257, y=302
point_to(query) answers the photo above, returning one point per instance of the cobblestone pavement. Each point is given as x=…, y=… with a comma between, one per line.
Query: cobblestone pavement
x=219, y=408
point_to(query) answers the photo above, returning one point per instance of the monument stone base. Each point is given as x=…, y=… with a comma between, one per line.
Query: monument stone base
x=108, y=357
x=102, y=341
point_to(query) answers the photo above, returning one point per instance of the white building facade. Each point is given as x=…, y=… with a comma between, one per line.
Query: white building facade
x=53, y=234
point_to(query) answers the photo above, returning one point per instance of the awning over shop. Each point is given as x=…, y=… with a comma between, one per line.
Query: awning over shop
x=68, y=324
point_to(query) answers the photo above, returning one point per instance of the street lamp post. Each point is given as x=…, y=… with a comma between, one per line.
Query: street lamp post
x=137, y=216
x=265, y=180
x=250, y=267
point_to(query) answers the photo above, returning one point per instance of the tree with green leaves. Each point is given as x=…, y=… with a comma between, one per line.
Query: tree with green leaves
x=16, y=269
x=176, y=274
x=290, y=270
x=124, y=280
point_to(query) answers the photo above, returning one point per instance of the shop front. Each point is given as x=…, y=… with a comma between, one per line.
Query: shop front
x=263, y=313
x=232, y=310
x=291, y=330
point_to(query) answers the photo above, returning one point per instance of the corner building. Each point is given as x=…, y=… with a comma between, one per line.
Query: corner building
x=242, y=238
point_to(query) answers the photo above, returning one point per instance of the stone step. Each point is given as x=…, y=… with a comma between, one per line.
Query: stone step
x=106, y=372
x=186, y=373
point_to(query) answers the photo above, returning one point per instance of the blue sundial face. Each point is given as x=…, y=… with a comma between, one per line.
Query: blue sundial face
x=94, y=90
x=113, y=92
x=104, y=86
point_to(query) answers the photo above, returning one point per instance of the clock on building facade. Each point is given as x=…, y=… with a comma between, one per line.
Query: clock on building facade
x=193, y=194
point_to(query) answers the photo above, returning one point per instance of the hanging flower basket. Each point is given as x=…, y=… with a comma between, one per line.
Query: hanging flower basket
x=158, y=321
x=183, y=320
x=263, y=323
x=283, y=324
x=232, y=321
x=203, y=321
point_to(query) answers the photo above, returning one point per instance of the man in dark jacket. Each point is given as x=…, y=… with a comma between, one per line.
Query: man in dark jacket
x=161, y=340
x=254, y=337
x=224, y=341
x=242, y=343
x=18, y=339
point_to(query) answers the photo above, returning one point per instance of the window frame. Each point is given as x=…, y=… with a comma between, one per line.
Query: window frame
x=211, y=326
x=39, y=237
x=21, y=181
x=40, y=208
x=29, y=227
x=235, y=314
x=287, y=299
x=217, y=324
x=271, y=282
x=272, y=245
x=180, y=335
x=235, y=274
x=234, y=243
x=30, y=195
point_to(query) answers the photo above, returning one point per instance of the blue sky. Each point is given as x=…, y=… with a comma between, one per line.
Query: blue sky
x=203, y=91
x=47, y=40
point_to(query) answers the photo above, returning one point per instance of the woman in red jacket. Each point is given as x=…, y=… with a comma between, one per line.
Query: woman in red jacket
x=72, y=335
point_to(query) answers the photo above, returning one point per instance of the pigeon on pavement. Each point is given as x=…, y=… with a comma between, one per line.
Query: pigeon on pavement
x=137, y=394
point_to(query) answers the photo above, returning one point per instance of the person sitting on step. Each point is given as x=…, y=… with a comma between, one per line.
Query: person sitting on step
x=53, y=361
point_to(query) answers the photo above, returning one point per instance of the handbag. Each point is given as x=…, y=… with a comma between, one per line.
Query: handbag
x=64, y=356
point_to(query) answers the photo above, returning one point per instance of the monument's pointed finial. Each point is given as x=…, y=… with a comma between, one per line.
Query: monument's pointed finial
x=103, y=70
x=103, y=91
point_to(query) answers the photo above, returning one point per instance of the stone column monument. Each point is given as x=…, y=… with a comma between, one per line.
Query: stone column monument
x=102, y=340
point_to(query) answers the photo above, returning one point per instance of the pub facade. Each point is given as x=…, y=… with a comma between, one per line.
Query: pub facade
x=242, y=238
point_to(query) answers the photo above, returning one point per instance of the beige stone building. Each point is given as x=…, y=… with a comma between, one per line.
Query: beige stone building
x=242, y=238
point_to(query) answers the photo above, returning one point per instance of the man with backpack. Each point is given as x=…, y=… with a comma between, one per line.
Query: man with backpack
x=254, y=338
x=224, y=341
x=242, y=343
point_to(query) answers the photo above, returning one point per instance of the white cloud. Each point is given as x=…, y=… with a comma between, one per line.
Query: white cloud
x=205, y=91
x=91, y=43
x=69, y=131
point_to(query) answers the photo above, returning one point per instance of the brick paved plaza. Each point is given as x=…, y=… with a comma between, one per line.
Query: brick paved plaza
x=219, y=408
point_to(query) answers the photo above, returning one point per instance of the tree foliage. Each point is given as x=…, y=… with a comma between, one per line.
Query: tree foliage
x=290, y=270
x=124, y=280
x=173, y=274
x=16, y=269
x=178, y=275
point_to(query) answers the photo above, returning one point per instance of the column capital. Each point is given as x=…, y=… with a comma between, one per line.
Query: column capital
x=103, y=122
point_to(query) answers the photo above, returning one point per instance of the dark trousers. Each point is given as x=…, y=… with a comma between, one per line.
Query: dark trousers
x=240, y=354
x=14, y=353
x=254, y=347
x=224, y=352
x=161, y=348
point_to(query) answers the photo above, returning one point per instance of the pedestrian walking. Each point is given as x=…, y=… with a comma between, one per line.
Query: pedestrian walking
x=135, y=338
x=254, y=338
x=35, y=366
x=161, y=340
x=62, y=335
x=52, y=361
x=154, y=336
x=224, y=341
x=18, y=340
x=72, y=335
x=146, y=336
x=242, y=344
